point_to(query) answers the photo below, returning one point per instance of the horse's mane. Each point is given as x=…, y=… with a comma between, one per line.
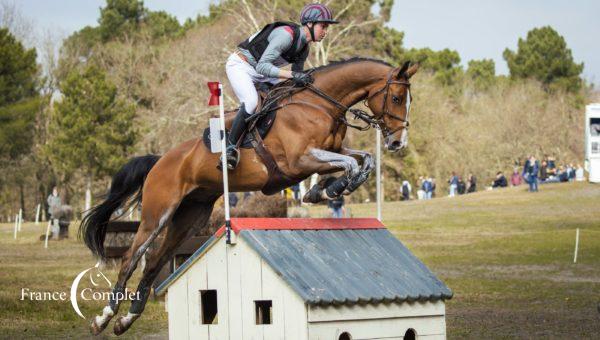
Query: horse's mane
x=337, y=63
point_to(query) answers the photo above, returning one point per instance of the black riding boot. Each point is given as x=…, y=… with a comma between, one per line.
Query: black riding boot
x=237, y=131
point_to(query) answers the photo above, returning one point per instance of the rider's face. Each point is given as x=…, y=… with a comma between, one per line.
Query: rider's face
x=320, y=29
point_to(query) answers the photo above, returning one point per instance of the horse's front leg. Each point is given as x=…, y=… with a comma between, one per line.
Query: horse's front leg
x=323, y=162
x=366, y=168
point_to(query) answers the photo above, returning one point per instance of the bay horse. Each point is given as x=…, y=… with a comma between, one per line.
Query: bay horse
x=179, y=189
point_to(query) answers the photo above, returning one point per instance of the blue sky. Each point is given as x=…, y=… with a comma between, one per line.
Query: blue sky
x=477, y=29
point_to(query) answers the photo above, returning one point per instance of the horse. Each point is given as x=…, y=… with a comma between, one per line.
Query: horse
x=179, y=189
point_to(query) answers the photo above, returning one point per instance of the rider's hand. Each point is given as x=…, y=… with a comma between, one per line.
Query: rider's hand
x=301, y=78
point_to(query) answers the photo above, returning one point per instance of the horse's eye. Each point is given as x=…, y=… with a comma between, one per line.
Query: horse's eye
x=396, y=100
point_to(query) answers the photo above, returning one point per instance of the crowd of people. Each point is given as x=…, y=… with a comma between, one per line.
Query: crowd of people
x=533, y=173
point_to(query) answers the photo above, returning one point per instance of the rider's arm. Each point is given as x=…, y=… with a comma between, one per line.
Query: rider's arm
x=279, y=41
x=299, y=65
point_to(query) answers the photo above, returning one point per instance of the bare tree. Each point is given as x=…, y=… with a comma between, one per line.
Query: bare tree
x=20, y=26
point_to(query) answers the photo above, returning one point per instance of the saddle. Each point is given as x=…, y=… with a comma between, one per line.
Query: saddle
x=258, y=128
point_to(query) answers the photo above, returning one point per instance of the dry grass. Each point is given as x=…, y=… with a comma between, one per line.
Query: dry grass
x=506, y=254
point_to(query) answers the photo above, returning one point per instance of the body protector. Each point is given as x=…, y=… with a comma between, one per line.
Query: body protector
x=259, y=44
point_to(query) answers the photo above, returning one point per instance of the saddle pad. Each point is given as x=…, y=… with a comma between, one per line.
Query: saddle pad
x=263, y=126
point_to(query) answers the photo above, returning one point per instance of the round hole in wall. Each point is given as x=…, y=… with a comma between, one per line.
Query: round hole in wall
x=345, y=336
x=410, y=334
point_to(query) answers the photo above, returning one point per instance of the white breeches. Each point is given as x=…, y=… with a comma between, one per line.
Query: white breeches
x=242, y=77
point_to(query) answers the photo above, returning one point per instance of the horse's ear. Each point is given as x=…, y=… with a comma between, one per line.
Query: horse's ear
x=403, y=69
x=412, y=70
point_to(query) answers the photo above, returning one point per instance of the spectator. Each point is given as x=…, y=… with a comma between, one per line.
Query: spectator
x=337, y=207
x=515, y=178
x=432, y=180
x=405, y=190
x=233, y=199
x=472, y=184
x=500, y=181
x=552, y=171
x=296, y=194
x=579, y=175
x=544, y=171
x=54, y=206
x=530, y=173
x=420, y=192
x=571, y=171
x=562, y=174
x=453, y=181
x=427, y=188
x=461, y=187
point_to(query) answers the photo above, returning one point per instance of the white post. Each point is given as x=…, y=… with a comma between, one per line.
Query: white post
x=20, y=218
x=16, y=225
x=576, y=245
x=47, y=233
x=224, y=166
x=37, y=214
x=378, y=171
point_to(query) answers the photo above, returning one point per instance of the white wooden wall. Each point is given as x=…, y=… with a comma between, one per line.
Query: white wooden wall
x=249, y=279
x=378, y=321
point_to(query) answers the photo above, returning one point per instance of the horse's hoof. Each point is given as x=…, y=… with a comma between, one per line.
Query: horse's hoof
x=314, y=195
x=120, y=327
x=96, y=329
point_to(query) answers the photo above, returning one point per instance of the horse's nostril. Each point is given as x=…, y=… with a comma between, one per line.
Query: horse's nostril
x=395, y=144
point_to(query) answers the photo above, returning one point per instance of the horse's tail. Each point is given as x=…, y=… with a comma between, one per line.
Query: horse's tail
x=127, y=182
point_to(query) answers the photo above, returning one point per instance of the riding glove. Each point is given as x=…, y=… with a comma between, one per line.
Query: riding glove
x=301, y=78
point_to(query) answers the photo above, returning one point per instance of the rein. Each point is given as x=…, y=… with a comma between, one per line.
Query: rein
x=374, y=121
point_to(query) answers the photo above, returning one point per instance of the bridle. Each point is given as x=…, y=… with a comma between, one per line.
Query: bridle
x=375, y=121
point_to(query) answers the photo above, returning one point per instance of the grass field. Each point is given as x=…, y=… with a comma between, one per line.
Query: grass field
x=506, y=254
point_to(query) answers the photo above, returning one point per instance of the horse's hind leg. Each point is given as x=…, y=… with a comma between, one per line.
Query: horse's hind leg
x=150, y=227
x=189, y=216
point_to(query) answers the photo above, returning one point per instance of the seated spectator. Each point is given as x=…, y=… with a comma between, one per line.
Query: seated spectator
x=500, y=181
x=516, y=179
x=579, y=175
x=562, y=174
x=472, y=183
x=461, y=187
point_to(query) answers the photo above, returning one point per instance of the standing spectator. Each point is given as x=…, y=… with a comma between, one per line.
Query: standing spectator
x=544, y=171
x=427, y=188
x=579, y=175
x=296, y=194
x=500, y=181
x=571, y=171
x=453, y=181
x=530, y=173
x=515, y=178
x=405, y=190
x=54, y=206
x=472, y=184
x=233, y=199
x=420, y=191
x=337, y=207
x=461, y=187
x=432, y=180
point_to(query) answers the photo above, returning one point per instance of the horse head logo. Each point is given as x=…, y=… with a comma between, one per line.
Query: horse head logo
x=96, y=277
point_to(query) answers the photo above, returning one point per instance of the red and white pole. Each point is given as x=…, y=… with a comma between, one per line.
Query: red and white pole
x=216, y=91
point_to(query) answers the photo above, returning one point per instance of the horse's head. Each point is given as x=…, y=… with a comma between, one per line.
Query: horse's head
x=389, y=101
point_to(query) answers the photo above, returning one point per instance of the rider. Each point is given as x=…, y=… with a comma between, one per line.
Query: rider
x=258, y=60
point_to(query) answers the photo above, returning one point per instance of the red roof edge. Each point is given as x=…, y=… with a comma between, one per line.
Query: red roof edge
x=253, y=223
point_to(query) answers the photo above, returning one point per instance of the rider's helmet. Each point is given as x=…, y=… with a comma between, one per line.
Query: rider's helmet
x=316, y=13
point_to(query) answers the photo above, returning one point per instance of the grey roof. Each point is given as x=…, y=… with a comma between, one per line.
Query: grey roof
x=346, y=266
